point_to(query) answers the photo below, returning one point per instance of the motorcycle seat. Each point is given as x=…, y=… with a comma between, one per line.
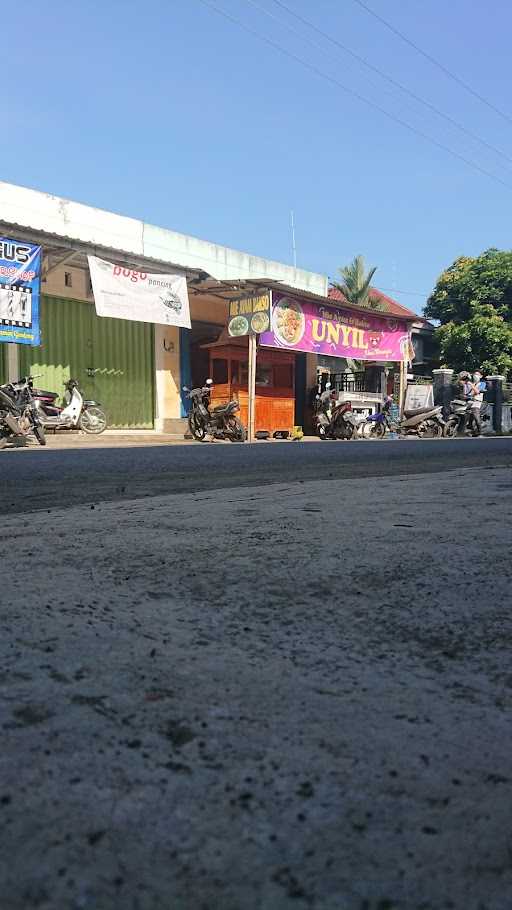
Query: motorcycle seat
x=222, y=408
x=40, y=393
x=415, y=412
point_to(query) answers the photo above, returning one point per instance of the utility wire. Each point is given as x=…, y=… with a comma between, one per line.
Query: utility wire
x=375, y=69
x=409, y=293
x=433, y=60
x=349, y=91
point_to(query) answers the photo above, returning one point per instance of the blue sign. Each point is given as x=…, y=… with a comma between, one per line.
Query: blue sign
x=20, y=288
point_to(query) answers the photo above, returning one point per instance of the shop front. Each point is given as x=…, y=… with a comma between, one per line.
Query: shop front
x=356, y=350
x=112, y=359
x=135, y=364
x=278, y=383
x=274, y=384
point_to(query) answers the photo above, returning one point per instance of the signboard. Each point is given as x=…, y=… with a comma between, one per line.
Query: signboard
x=419, y=396
x=20, y=285
x=123, y=293
x=249, y=315
x=320, y=328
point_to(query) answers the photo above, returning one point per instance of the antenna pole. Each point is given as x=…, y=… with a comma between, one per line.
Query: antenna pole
x=294, y=248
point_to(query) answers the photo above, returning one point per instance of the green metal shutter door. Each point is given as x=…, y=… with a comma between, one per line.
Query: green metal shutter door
x=65, y=341
x=123, y=359
x=75, y=340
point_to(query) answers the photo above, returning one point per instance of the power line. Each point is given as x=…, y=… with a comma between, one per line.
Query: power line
x=433, y=60
x=375, y=69
x=408, y=293
x=349, y=91
x=392, y=290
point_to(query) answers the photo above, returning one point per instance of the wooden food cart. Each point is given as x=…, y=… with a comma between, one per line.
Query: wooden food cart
x=275, y=382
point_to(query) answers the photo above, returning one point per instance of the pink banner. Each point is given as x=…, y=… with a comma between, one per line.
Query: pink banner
x=305, y=325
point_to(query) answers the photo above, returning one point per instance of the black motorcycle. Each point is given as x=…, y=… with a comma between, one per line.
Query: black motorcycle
x=332, y=417
x=18, y=412
x=220, y=423
x=466, y=417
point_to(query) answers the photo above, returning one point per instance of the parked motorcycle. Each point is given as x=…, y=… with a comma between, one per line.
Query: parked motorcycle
x=330, y=418
x=221, y=422
x=423, y=422
x=323, y=408
x=355, y=422
x=77, y=413
x=18, y=413
x=462, y=418
x=375, y=425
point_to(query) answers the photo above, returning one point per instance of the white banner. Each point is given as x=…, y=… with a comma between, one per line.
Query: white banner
x=123, y=293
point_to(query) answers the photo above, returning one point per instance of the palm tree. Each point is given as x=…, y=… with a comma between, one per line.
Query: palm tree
x=356, y=285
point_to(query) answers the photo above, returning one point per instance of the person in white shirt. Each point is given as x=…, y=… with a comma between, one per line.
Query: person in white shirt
x=478, y=388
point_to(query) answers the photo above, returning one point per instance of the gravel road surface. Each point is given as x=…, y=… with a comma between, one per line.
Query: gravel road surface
x=286, y=697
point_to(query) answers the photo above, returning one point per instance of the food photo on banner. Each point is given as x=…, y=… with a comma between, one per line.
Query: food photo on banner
x=249, y=315
x=20, y=287
x=123, y=293
x=318, y=328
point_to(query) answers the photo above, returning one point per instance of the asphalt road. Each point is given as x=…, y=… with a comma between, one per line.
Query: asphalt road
x=34, y=479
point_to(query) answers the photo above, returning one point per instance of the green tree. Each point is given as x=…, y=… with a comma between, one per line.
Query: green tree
x=484, y=341
x=356, y=284
x=472, y=300
x=470, y=283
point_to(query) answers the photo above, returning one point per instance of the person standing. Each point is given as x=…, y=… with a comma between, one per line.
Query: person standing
x=476, y=396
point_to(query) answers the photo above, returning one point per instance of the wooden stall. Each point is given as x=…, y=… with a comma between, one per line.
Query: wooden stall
x=275, y=382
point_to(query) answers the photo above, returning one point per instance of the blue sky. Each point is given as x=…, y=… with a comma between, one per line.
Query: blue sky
x=168, y=112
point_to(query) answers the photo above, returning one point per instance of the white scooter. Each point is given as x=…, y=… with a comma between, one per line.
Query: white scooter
x=76, y=414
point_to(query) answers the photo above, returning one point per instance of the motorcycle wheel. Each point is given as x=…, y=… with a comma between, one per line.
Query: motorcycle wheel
x=344, y=430
x=40, y=434
x=197, y=429
x=430, y=429
x=235, y=430
x=450, y=428
x=93, y=421
x=375, y=431
x=320, y=432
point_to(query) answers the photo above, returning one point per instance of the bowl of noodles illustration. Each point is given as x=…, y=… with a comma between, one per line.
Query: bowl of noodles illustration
x=288, y=321
x=260, y=323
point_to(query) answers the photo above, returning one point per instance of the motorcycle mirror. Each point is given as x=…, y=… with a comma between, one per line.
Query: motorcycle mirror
x=209, y=382
x=185, y=388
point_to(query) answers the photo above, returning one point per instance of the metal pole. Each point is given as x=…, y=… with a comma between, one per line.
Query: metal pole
x=403, y=384
x=294, y=249
x=252, y=387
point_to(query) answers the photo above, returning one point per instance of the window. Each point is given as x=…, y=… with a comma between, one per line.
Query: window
x=263, y=374
x=220, y=372
x=283, y=375
x=68, y=279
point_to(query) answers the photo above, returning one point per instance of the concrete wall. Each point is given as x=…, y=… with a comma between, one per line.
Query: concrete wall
x=167, y=379
x=55, y=283
x=53, y=215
